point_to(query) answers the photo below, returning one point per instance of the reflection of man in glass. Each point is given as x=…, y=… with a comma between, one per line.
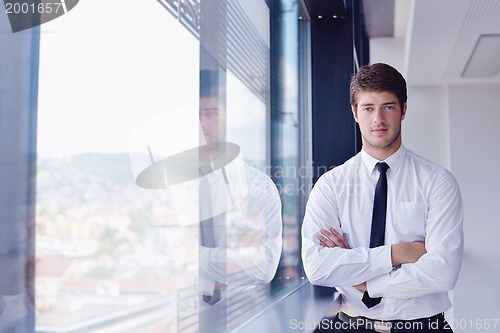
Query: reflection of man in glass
x=212, y=114
x=241, y=247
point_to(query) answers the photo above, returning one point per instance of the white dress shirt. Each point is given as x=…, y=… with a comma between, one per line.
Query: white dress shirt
x=251, y=232
x=423, y=204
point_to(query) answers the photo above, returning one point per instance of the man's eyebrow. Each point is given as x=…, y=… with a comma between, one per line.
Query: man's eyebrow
x=371, y=104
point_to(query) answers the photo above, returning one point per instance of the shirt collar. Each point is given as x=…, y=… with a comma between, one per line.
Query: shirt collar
x=394, y=161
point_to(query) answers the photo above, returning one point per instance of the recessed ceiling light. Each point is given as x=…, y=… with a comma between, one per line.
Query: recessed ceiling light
x=485, y=58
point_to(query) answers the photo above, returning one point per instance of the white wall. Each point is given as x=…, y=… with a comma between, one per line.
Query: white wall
x=425, y=128
x=389, y=50
x=475, y=162
x=458, y=127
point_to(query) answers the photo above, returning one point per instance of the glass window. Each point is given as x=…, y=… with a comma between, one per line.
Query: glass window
x=107, y=254
x=162, y=202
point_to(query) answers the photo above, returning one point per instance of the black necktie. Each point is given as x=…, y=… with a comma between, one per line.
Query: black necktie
x=378, y=221
x=207, y=226
x=207, y=232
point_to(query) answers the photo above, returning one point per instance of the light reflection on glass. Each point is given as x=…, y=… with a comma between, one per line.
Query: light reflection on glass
x=112, y=254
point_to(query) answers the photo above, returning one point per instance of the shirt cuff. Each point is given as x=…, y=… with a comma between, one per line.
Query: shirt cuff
x=204, y=257
x=380, y=259
x=206, y=286
x=381, y=263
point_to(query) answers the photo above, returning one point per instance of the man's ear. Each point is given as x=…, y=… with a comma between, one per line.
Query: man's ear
x=403, y=112
x=354, y=113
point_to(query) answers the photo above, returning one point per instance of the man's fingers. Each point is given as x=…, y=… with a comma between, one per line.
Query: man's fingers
x=325, y=241
x=322, y=243
x=332, y=239
x=340, y=238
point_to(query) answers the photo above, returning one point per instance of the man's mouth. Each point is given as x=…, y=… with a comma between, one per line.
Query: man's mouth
x=379, y=130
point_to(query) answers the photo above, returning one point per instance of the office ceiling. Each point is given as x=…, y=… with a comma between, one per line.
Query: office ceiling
x=440, y=42
x=440, y=38
x=325, y=8
x=379, y=18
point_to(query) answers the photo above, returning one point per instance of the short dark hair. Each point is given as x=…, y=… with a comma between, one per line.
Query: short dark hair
x=377, y=78
x=210, y=83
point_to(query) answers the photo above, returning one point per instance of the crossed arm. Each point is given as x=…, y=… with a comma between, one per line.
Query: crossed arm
x=253, y=241
x=401, y=253
x=398, y=270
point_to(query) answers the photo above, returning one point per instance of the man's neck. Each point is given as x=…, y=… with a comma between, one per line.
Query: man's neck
x=381, y=154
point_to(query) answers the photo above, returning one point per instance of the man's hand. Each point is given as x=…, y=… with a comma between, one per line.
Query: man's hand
x=332, y=239
x=406, y=253
x=361, y=286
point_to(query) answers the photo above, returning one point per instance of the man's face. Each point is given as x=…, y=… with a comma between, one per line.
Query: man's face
x=379, y=116
x=212, y=119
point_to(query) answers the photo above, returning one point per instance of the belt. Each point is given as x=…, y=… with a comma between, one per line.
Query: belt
x=388, y=326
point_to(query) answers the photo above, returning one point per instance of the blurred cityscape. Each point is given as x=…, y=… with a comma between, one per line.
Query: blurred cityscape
x=111, y=257
x=101, y=260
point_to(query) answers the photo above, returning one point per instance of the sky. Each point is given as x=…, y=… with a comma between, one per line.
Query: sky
x=109, y=67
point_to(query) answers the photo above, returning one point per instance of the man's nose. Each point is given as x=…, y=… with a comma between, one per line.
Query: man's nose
x=203, y=119
x=378, y=115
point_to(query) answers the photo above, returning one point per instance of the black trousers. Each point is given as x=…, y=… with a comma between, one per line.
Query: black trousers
x=335, y=325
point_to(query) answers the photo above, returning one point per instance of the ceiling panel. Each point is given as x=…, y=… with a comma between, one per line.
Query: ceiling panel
x=442, y=36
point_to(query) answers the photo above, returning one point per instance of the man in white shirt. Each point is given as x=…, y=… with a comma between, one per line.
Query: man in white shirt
x=247, y=229
x=240, y=220
x=402, y=282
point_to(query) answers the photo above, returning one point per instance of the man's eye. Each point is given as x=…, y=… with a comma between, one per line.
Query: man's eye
x=389, y=107
x=209, y=113
x=367, y=109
